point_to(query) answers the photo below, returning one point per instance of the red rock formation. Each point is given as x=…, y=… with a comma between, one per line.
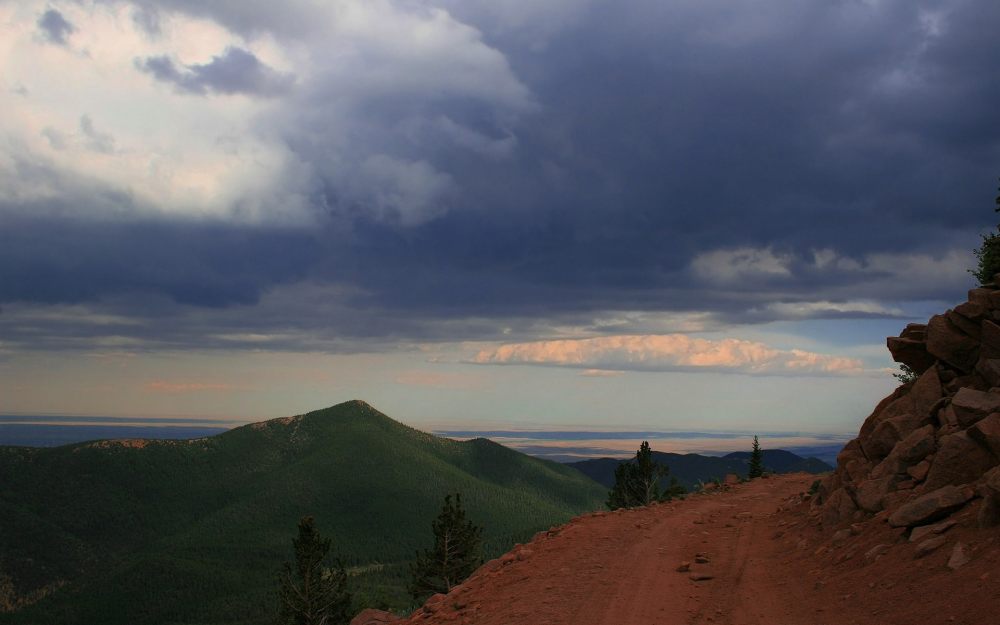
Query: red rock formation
x=933, y=444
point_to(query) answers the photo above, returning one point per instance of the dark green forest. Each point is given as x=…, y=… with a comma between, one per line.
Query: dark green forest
x=195, y=532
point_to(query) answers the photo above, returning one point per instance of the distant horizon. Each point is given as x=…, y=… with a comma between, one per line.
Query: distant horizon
x=495, y=428
x=562, y=445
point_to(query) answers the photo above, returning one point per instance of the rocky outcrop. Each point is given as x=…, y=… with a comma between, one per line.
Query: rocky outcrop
x=933, y=444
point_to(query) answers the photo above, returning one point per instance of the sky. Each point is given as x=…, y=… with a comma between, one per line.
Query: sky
x=685, y=215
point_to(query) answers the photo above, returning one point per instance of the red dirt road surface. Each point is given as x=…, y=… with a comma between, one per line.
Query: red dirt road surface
x=761, y=557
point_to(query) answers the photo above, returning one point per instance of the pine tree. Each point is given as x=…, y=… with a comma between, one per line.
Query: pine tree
x=647, y=476
x=310, y=593
x=456, y=554
x=620, y=495
x=756, y=468
x=637, y=483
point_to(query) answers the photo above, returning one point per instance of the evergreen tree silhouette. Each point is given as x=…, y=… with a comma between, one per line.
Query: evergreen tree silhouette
x=310, y=593
x=457, y=552
x=756, y=468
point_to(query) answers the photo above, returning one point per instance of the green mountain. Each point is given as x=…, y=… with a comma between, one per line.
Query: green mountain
x=690, y=469
x=134, y=532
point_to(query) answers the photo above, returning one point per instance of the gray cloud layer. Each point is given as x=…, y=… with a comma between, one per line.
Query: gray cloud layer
x=234, y=71
x=849, y=148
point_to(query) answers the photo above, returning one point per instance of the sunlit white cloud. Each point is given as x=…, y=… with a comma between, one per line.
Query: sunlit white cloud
x=283, y=110
x=672, y=352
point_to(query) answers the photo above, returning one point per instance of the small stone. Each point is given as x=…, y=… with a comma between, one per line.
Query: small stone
x=876, y=551
x=958, y=558
x=700, y=559
x=701, y=576
x=929, y=546
x=840, y=537
x=684, y=567
x=918, y=533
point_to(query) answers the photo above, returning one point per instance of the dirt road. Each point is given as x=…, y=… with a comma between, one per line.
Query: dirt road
x=755, y=558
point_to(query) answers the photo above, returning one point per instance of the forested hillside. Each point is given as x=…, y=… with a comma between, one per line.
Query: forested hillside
x=135, y=532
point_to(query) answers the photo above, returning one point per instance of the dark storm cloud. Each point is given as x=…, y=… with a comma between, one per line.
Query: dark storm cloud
x=234, y=71
x=201, y=264
x=754, y=161
x=55, y=28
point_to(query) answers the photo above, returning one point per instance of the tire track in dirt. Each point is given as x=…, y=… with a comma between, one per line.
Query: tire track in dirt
x=772, y=565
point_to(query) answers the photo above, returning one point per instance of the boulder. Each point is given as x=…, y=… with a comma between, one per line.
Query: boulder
x=989, y=512
x=880, y=441
x=971, y=380
x=930, y=507
x=947, y=342
x=870, y=493
x=852, y=463
x=981, y=296
x=991, y=481
x=946, y=418
x=926, y=392
x=971, y=405
x=915, y=331
x=838, y=507
x=986, y=432
x=888, y=433
x=916, y=446
x=958, y=460
x=910, y=352
x=989, y=370
x=919, y=471
x=973, y=311
x=370, y=616
x=967, y=326
x=990, y=339
x=895, y=405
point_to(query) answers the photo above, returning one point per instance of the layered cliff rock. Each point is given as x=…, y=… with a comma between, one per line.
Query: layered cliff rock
x=933, y=445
